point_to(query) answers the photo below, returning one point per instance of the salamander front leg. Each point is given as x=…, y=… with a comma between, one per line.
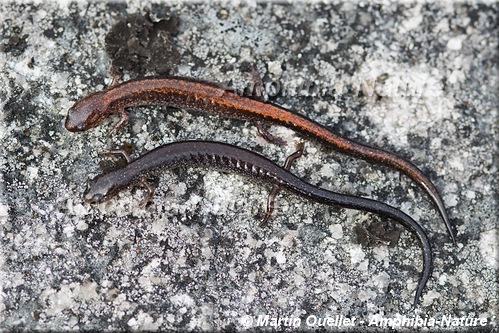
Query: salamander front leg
x=108, y=152
x=150, y=192
x=120, y=123
x=276, y=188
x=143, y=180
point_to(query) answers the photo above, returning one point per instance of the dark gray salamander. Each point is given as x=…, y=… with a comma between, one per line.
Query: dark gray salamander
x=225, y=156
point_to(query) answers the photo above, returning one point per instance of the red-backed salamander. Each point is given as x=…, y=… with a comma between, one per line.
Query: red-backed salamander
x=225, y=156
x=204, y=96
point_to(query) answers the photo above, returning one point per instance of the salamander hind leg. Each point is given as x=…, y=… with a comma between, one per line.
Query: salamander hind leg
x=276, y=188
x=263, y=130
x=270, y=205
x=116, y=77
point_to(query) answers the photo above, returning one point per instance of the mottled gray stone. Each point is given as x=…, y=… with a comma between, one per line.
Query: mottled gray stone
x=416, y=79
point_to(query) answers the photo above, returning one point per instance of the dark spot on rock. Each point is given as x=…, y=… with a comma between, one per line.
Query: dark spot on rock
x=376, y=233
x=138, y=44
x=15, y=45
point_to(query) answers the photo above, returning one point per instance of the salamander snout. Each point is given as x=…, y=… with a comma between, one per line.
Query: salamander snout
x=86, y=113
x=101, y=189
x=92, y=197
x=72, y=125
x=96, y=198
x=97, y=191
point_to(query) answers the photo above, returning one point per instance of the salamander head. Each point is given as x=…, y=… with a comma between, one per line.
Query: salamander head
x=100, y=189
x=87, y=113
